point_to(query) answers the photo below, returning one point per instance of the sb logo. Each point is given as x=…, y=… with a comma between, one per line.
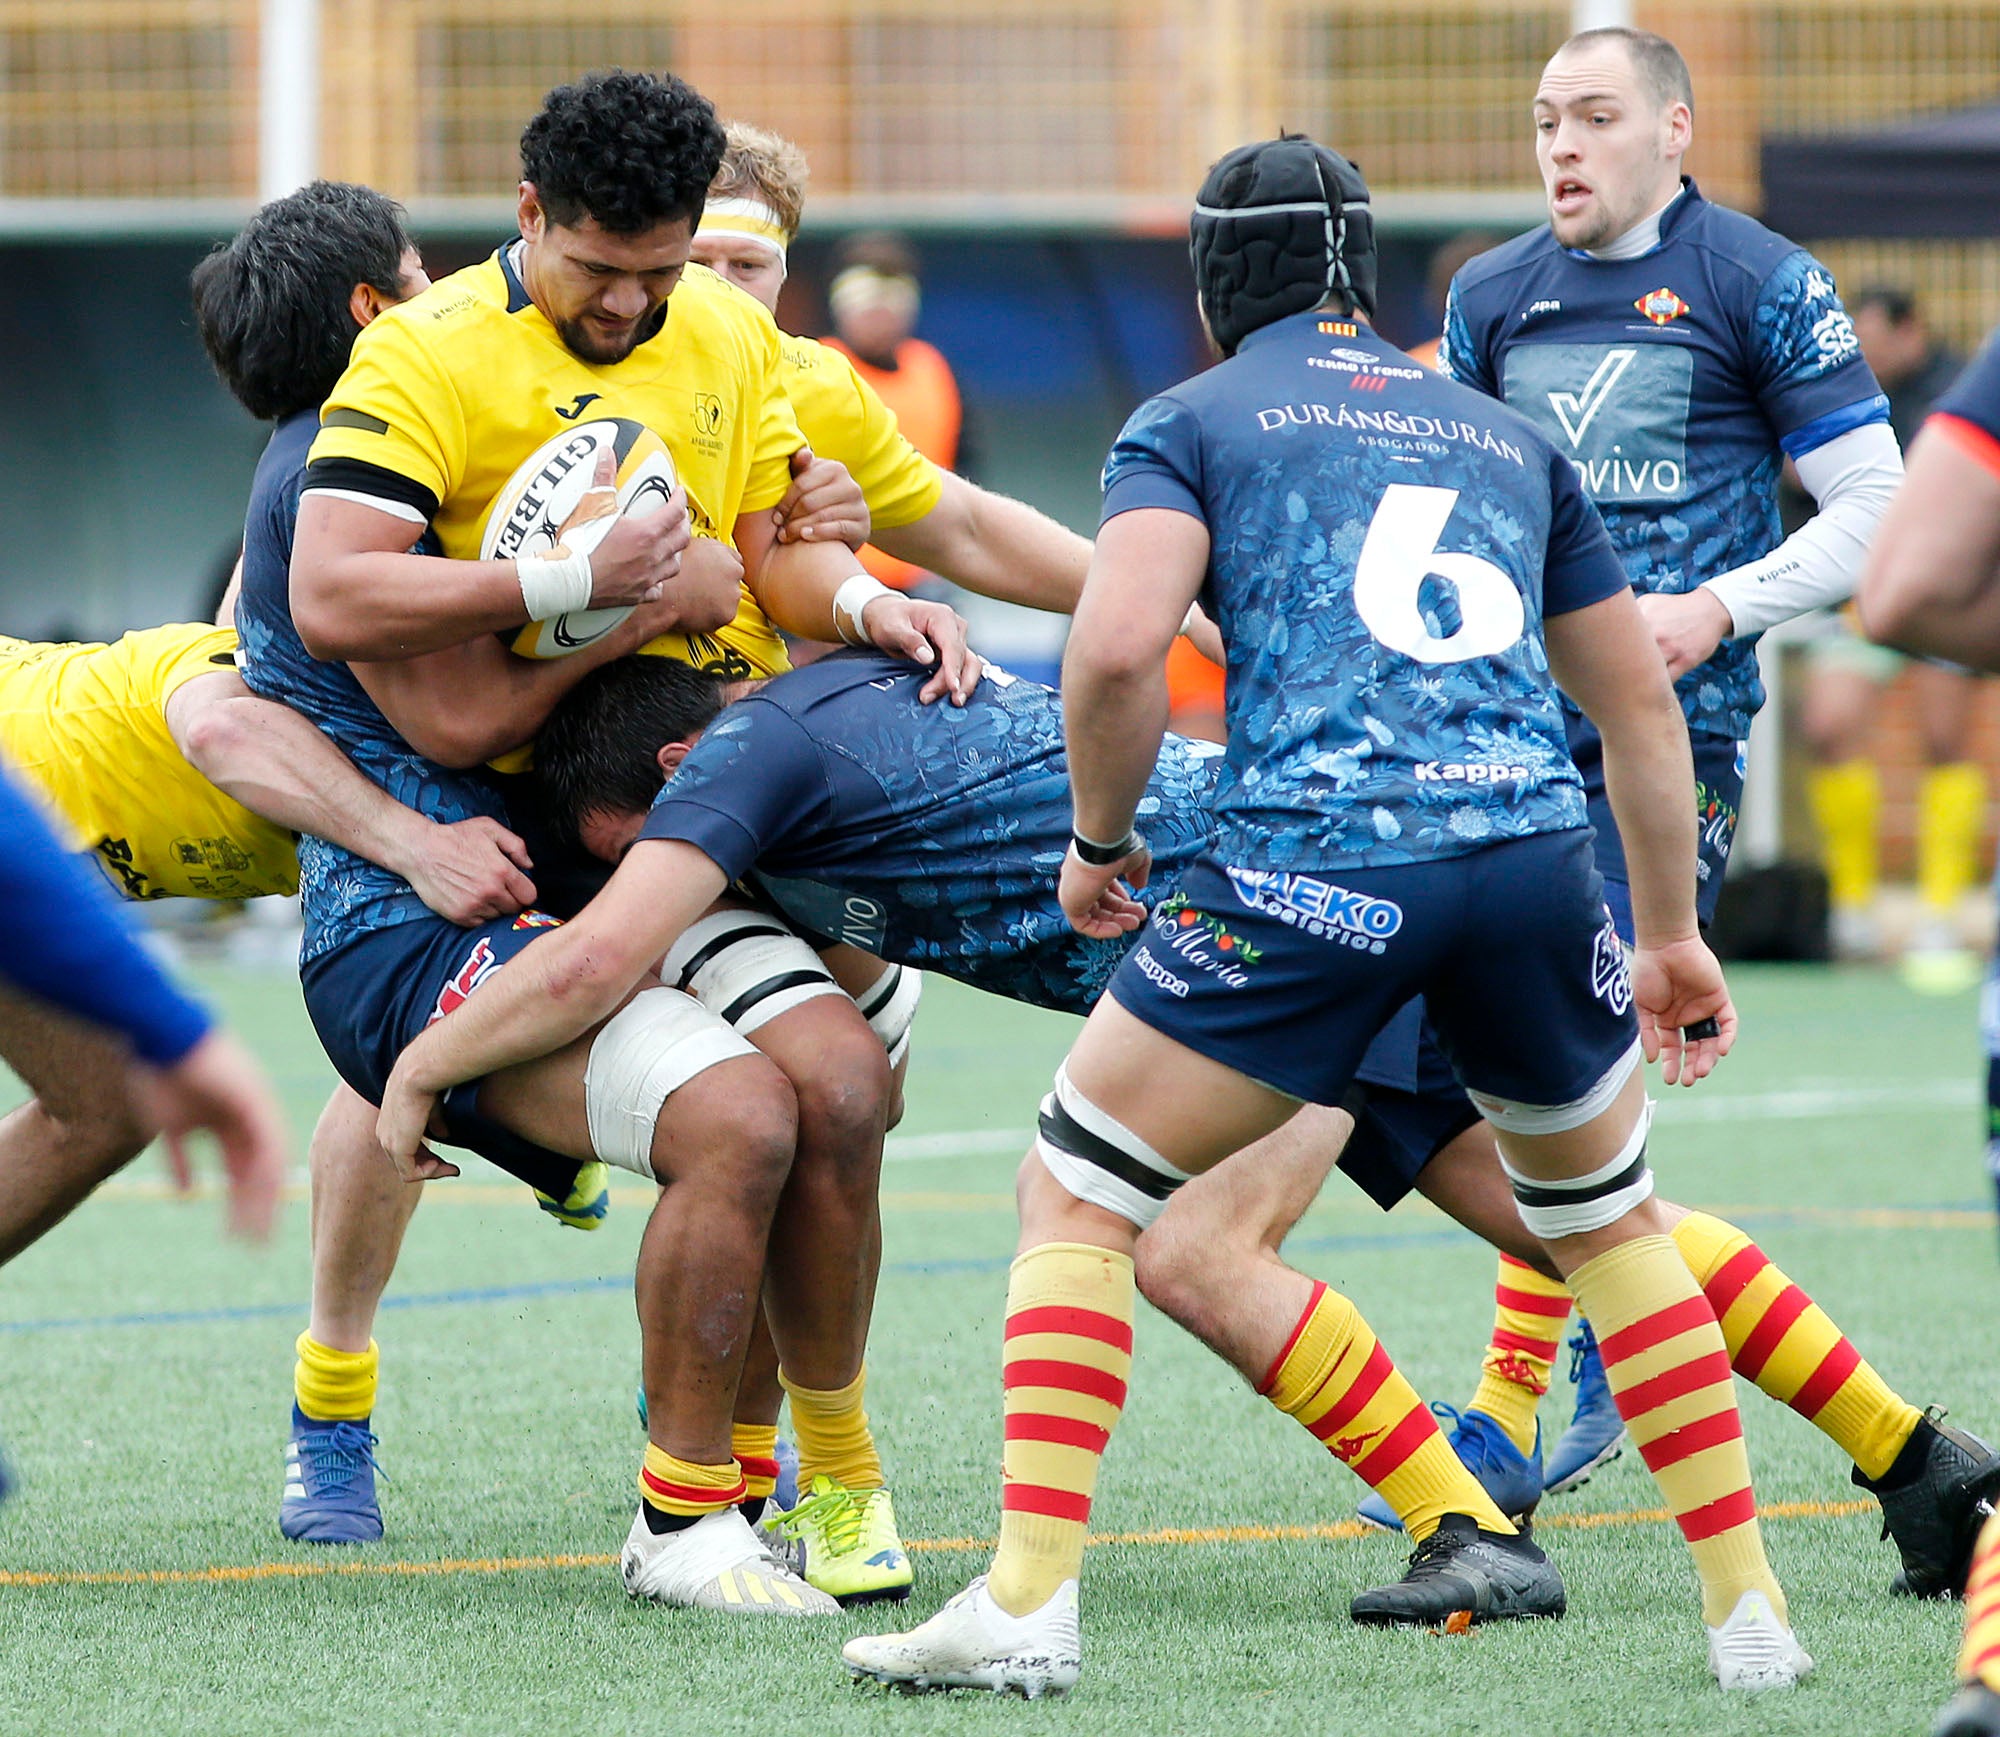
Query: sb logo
x=707, y=412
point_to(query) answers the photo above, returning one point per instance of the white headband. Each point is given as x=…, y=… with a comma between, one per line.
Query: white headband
x=750, y=218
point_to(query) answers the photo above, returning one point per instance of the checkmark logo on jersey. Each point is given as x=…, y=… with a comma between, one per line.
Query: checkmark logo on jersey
x=1576, y=410
x=583, y=401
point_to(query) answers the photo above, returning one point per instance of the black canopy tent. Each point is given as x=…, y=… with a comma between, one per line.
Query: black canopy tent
x=1938, y=177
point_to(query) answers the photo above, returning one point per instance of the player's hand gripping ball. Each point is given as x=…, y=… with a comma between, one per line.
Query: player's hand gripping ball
x=559, y=502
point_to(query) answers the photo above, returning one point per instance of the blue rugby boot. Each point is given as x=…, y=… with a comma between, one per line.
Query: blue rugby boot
x=1513, y=1479
x=329, y=1483
x=1596, y=1433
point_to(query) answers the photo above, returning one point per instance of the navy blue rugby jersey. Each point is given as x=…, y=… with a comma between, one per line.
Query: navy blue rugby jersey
x=929, y=835
x=1384, y=548
x=343, y=895
x=1678, y=383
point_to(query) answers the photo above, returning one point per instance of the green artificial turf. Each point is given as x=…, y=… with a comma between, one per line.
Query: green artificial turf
x=144, y=1412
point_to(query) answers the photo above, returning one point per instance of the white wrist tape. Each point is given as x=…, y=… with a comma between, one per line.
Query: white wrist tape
x=850, y=600
x=553, y=585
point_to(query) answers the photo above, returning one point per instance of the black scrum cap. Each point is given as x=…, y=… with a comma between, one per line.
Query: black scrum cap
x=1277, y=227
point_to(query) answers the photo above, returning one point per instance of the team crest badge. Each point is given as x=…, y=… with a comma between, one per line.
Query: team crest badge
x=1661, y=306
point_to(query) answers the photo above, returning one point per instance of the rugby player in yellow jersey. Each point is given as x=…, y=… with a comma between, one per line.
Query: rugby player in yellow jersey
x=153, y=757
x=918, y=511
x=442, y=400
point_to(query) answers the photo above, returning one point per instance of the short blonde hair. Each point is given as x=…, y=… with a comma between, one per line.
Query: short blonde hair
x=760, y=165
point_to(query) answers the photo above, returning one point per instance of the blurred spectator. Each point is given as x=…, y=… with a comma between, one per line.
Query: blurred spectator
x=1455, y=251
x=1840, y=713
x=874, y=299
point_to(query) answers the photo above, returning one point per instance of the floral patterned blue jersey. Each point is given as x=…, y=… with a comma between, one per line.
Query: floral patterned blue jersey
x=1384, y=547
x=1677, y=382
x=929, y=835
x=343, y=895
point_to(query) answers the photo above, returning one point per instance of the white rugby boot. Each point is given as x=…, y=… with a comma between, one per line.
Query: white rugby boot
x=718, y=1563
x=973, y=1644
x=1752, y=1649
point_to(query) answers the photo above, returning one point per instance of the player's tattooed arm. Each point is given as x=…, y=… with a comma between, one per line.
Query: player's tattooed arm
x=996, y=546
x=1932, y=582
x=572, y=979
x=281, y=766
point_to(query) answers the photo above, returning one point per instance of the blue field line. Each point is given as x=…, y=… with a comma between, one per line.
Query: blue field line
x=1348, y=1244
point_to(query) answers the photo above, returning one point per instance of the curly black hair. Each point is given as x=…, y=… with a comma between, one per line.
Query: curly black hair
x=626, y=148
x=272, y=305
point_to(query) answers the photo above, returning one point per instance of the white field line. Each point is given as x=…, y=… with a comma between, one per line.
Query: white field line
x=1803, y=1103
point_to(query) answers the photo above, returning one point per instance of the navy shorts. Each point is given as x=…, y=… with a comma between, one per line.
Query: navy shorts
x=1287, y=978
x=369, y=999
x=1407, y=1107
x=1719, y=765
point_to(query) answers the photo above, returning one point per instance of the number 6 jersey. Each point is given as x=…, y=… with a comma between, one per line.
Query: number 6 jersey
x=1384, y=548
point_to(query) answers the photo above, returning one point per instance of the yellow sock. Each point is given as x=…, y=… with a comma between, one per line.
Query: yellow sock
x=1669, y=1372
x=1528, y=1316
x=1951, y=803
x=834, y=1438
x=1068, y=1357
x=1335, y=1377
x=755, y=1446
x=676, y=1486
x=335, y=1386
x=1979, y=1660
x=1781, y=1339
x=1847, y=806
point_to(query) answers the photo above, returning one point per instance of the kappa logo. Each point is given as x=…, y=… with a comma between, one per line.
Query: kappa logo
x=1661, y=306
x=1348, y=1448
x=707, y=412
x=1536, y=309
x=1577, y=410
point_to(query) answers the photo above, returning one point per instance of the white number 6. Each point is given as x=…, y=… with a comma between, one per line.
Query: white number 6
x=1400, y=552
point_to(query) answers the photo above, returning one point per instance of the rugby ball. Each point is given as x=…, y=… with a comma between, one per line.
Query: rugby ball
x=551, y=490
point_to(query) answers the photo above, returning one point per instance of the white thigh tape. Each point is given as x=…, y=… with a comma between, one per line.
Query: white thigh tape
x=889, y=1005
x=1518, y=1118
x=1571, y=1205
x=746, y=968
x=648, y=1049
x=1099, y=1159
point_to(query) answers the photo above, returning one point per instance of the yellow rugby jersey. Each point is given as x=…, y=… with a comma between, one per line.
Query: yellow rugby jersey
x=88, y=725
x=447, y=393
x=844, y=418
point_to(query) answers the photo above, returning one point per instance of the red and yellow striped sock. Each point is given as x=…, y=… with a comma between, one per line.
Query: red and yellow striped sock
x=1068, y=1357
x=1528, y=1316
x=335, y=1386
x=1781, y=1339
x=1335, y=1377
x=1669, y=1372
x=833, y=1434
x=755, y=1447
x=676, y=1486
x=1979, y=1659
